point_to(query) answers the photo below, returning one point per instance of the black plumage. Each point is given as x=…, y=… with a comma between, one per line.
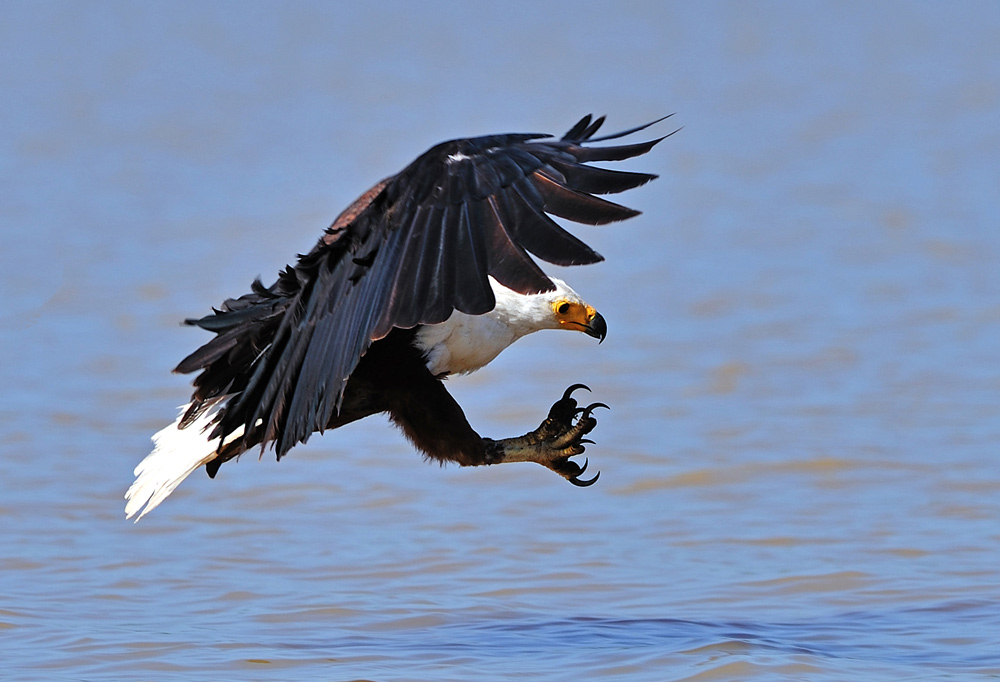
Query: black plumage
x=409, y=252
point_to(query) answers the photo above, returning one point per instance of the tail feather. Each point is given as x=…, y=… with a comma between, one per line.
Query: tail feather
x=176, y=454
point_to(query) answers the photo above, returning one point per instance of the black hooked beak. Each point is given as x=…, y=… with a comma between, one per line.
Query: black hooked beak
x=597, y=327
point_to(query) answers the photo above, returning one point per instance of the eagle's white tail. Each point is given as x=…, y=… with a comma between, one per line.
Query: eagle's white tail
x=176, y=453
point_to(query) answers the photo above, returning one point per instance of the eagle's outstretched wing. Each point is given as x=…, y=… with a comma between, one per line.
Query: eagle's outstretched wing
x=410, y=251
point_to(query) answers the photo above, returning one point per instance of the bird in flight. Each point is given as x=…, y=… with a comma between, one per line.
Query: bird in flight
x=425, y=275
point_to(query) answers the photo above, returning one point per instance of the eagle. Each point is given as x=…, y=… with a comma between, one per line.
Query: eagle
x=424, y=276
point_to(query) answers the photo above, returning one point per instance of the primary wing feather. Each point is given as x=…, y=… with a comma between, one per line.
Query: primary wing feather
x=410, y=251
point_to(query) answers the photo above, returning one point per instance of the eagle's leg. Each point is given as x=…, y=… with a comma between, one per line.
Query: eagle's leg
x=435, y=423
x=558, y=438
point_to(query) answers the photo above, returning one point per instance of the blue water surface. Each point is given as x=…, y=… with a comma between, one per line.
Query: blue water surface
x=799, y=474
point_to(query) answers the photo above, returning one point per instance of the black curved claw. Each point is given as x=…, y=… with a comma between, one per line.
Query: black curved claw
x=583, y=484
x=591, y=407
x=569, y=391
x=586, y=440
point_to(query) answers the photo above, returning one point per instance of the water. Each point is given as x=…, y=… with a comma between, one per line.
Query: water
x=799, y=472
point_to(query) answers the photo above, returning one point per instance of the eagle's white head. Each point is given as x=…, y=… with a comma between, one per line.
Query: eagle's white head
x=464, y=343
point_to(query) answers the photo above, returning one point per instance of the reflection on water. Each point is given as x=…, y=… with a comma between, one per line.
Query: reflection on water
x=799, y=475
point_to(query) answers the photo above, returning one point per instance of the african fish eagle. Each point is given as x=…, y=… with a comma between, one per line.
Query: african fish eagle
x=424, y=276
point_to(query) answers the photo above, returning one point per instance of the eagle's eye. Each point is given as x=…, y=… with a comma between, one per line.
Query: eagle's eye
x=562, y=308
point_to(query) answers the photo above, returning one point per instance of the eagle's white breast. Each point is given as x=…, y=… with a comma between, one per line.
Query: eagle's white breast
x=464, y=343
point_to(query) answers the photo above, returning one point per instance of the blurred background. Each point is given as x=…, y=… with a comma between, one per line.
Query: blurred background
x=799, y=474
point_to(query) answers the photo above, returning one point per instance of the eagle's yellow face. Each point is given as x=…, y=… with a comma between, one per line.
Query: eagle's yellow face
x=578, y=316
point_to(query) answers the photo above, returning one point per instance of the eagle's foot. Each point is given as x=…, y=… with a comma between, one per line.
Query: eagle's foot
x=555, y=441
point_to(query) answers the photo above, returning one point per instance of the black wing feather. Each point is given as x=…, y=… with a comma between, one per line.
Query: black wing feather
x=577, y=206
x=541, y=235
x=592, y=180
x=471, y=255
x=410, y=251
